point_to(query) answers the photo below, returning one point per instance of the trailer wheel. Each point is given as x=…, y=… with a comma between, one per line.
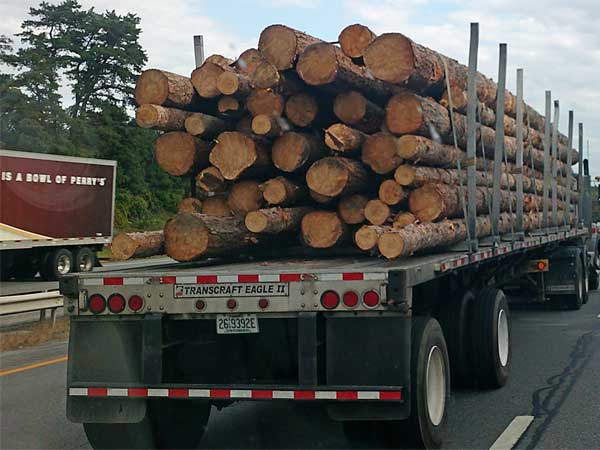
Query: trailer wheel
x=574, y=301
x=490, y=328
x=57, y=264
x=430, y=389
x=594, y=279
x=84, y=259
x=455, y=319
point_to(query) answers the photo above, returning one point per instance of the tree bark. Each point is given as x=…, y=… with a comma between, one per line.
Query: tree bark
x=337, y=176
x=236, y=154
x=281, y=45
x=377, y=212
x=354, y=40
x=391, y=193
x=381, y=152
x=265, y=101
x=138, y=245
x=295, y=152
x=198, y=124
x=210, y=179
x=275, y=220
x=343, y=139
x=190, y=205
x=245, y=196
x=351, y=209
x=216, y=206
x=159, y=87
x=190, y=237
x=161, y=118
x=268, y=126
x=409, y=113
x=323, y=229
x=282, y=191
x=354, y=109
x=366, y=237
x=179, y=153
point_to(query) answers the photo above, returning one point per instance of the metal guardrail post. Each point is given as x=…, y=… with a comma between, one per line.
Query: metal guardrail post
x=555, y=158
x=519, y=227
x=547, y=125
x=499, y=144
x=567, y=213
x=471, y=137
x=580, y=177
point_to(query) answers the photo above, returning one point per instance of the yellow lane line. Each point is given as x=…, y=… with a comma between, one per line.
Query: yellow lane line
x=33, y=366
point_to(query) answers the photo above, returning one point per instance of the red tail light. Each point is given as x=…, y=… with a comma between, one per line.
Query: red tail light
x=135, y=303
x=263, y=303
x=371, y=299
x=350, y=299
x=231, y=303
x=116, y=303
x=200, y=305
x=96, y=304
x=330, y=299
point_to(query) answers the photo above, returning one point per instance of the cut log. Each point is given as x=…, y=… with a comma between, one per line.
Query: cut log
x=137, y=245
x=204, y=79
x=409, y=113
x=323, y=229
x=377, y=212
x=266, y=76
x=219, y=60
x=326, y=65
x=248, y=61
x=302, y=109
x=281, y=45
x=216, y=206
x=159, y=87
x=265, y=101
x=161, y=118
x=190, y=205
x=190, y=237
x=354, y=40
x=391, y=193
x=211, y=179
x=366, y=237
x=337, y=176
x=236, y=154
x=351, y=209
x=198, y=124
x=353, y=108
x=419, y=149
x=282, y=191
x=269, y=126
x=233, y=83
x=403, y=219
x=295, y=152
x=275, y=220
x=381, y=152
x=245, y=196
x=179, y=153
x=343, y=139
x=230, y=107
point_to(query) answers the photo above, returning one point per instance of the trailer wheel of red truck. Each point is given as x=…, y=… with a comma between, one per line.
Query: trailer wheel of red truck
x=56, y=264
x=84, y=259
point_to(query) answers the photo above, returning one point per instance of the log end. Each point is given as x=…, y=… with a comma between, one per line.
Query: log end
x=426, y=203
x=216, y=206
x=327, y=177
x=404, y=114
x=211, y=180
x=391, y=193
x=190, y=205
x=123, y=247
x=278, y=45
x=256, y=221
x=228, y=105
x=274, y=191
x=204, y=79
x=194, y=124
x=403, y=219
x=381, y=152
x=152, y=86
x=354, y=40
x=404, y=175
x=265, y=101
x=175, y=152
x=390, y=245
x=350, y=107
x=289, y=151
x=244, y=197
x=301, y=109
x=262, y=125
x=266, y=76
x=377, y=212
x=352, y=209
x=228, y=83
x=146, y=116
x=322, y=229
x=186, y=237
x=318, y=65
x=390, y=57
x=233, y=153
x=366, y=237
x=408, y=146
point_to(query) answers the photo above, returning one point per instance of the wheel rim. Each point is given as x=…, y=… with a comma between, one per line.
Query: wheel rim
x=85, y=263
x=436, y=385
x=503, y=338
x=63, y=265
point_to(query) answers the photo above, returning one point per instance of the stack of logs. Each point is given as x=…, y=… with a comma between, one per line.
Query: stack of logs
x=306, y=141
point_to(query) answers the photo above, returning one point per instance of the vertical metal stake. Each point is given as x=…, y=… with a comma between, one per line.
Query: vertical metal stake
x=555, y=158
x=580, y=176
x=471, y=138
x=547, y=125
x=199, y=49
x=519, y=227
x=499, y=144
x=567, y=212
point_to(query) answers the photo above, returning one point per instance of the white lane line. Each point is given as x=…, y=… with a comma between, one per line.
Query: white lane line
x=513, y=432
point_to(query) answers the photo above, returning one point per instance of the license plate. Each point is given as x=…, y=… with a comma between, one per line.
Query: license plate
x=238, y=324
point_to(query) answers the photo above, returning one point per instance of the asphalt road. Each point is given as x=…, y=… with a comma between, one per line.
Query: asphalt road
x=556, y=362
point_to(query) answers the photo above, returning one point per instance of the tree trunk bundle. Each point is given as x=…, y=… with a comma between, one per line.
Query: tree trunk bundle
x=159, y=87
x=138, y=245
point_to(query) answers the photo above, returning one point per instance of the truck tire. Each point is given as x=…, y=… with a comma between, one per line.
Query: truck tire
x=56, y=264
x=594, y=279
x=169, y=424
x=574, y=301
x=430, y=389
x=490, y=338
x=84, y=260
x=455, y=319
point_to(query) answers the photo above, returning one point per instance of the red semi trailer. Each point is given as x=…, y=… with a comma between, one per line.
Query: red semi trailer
x=55, y=213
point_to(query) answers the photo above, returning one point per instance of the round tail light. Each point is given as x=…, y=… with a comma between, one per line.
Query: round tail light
x=371, y=299
x=350, y=299
x=200, y=305
x=330, y=299
x=135, y=303
x=96, y=304
x=263, y=303
x=231, y=303
x=116, y=303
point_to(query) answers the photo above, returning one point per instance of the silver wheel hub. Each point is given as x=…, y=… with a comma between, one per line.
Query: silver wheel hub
x=85, y=264
x=436, y=385
x=63, y=265
x=503, y=337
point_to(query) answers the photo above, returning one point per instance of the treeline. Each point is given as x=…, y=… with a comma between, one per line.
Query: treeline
x=95, y=57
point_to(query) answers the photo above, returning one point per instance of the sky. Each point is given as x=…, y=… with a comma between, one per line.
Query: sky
x=557, y=43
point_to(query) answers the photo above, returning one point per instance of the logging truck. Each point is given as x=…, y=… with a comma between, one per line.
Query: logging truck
x=56, y=212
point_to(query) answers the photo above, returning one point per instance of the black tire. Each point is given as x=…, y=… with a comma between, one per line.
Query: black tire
x=56, y=264
x=84, y=260
x=169, y=424
x=429, y=355
x=455, y=319
x=575, y=301
x=490, y=338
x=594, y=279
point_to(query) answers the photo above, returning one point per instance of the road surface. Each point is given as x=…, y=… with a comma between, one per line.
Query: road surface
x=556, y=362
